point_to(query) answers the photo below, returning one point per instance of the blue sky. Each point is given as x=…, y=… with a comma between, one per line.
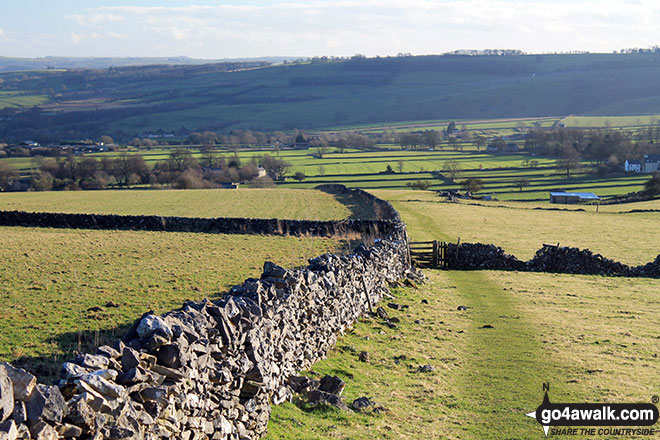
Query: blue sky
x=230, y=29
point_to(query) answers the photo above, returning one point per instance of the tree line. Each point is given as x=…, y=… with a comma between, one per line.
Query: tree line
x=181, y=170
x=607, y=149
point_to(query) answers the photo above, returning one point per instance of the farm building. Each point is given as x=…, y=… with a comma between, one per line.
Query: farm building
x=572, y=197
x=649, y=164
x=633, y=166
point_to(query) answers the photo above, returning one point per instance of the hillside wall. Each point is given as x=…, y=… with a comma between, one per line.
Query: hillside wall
x=208, y=369
x=220, y=225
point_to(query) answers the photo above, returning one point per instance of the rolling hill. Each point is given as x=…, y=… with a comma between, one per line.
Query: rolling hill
x=128, y=101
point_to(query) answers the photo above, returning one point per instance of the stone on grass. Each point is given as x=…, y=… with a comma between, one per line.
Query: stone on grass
x=332, y=384
x=362, y=403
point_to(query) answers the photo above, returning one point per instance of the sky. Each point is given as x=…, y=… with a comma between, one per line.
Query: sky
x=242, y=29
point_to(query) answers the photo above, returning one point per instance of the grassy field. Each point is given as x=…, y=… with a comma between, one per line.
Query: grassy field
x=610, y=121
x=500, y=173
x=56, y=285
x=594, y=339
x=243, y=202
x=522, y=230
x=17, y=99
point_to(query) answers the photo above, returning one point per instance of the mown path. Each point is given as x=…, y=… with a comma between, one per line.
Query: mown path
x=504, y=367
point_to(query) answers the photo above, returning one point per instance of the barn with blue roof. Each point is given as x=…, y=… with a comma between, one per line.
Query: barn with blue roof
x=573, y=197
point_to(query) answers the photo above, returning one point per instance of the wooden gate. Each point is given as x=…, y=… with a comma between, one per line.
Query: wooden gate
x=429, y=254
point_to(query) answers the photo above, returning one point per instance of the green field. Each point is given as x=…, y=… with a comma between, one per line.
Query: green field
x=243, y=202
x=55, y=285
x=610, y=121
x=17, y=99
x=522, y=230
x=500, y=173
x=365, y=169
x=594, y=339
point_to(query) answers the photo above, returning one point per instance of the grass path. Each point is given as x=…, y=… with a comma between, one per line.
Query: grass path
x=542, y=333
x=504, y=366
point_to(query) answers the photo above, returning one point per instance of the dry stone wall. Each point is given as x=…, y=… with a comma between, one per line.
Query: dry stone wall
x=209, y=370
x=220, y=225
x=558, y=259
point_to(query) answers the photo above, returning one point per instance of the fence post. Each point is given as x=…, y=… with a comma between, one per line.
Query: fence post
x=458, y=245
x=436, y=254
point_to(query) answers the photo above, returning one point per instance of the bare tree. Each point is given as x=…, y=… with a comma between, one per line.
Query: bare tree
x=452, y=167
x=7, y=176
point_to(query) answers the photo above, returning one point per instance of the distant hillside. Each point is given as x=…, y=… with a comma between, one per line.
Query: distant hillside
x=128, y=101
x=8, y=64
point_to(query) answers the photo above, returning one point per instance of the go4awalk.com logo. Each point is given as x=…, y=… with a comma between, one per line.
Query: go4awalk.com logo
x=608, y=419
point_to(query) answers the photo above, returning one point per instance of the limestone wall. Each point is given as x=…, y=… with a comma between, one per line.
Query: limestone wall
x=209, y=369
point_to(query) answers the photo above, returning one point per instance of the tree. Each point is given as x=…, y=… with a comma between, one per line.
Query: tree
x=7, y=176
x=399, y=165
x=472, y=184
x=42, y=181
x=106, y=140
x=452, y=167
x=182, y=159
x=299, y=176
x=321, y=170
x=431, y=138
x=479, y=142
x=410, y=140
x=129, y=169
x=451, y=128
x=453, y=142
x=521, y=183
x=570, y=160
x=499, y=143
x=422, y=185
x=210, y=158
x=276, y=168
x=652, y=186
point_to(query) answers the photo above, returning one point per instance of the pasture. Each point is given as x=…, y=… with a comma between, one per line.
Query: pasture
x=521, y=230
x=243, y=202
x=66, y=290
x=593, y=338
x=501, y=173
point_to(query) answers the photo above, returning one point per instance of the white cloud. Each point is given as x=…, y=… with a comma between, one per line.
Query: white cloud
x=98, y=17
x=1, y=32
x=371, y=27
x=77, y=38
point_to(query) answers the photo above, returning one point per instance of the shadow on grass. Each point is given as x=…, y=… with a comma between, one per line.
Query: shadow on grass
x=359, y=209
x=47, y=368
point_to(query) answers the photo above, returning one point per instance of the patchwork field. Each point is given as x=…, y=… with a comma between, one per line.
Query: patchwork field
x=594, y=339
x=63, y=290
x=244, y=202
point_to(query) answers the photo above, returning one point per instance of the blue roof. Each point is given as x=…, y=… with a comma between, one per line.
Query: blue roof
x=581, y=195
